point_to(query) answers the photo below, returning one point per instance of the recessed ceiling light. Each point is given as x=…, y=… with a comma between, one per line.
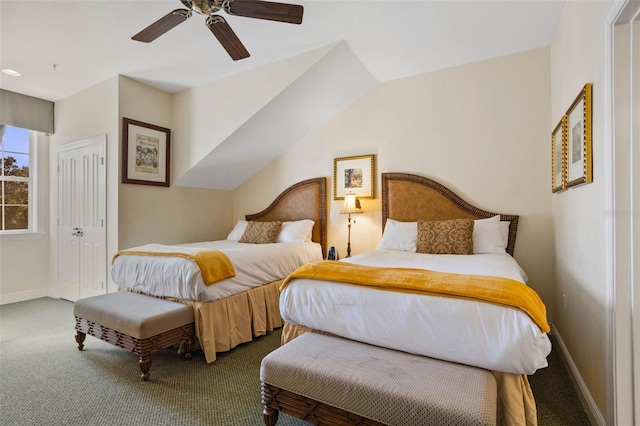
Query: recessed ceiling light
x=12, y=73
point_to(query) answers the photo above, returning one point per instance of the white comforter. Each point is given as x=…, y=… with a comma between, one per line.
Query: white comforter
x=480, y=334
x=255, y=264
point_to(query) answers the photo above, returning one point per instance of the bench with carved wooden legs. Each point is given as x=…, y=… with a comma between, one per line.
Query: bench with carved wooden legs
x=327, y=380
x=136, y=323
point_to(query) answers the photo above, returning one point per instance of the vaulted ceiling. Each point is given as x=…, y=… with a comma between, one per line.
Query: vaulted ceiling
x=64, y=47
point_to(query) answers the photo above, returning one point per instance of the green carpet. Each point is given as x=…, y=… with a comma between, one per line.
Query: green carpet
x=45, y=380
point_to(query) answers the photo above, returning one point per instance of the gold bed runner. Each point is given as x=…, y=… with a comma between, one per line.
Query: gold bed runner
x=499, y=290
x=214, y=265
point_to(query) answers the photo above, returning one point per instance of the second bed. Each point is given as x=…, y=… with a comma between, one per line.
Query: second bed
x=472, y=308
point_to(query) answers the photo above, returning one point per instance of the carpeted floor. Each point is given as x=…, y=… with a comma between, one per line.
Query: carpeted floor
x=556, y=399
x=45, y=380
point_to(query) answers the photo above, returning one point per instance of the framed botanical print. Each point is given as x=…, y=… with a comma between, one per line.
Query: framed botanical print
x=579, y=154
x=145, y=153
x=558, y=156
x=355, y=175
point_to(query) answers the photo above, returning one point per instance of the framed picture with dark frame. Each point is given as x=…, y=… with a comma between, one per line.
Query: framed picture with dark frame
x=146, y=150
x=354, y=174
x=579, y=155
x=558, y=156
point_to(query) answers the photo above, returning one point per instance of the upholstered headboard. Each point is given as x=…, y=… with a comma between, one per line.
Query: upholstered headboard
x=407, y=198
x=303, y=200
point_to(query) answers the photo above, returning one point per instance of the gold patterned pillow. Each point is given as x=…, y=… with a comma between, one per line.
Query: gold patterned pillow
x=261, y=232
x=445, y=236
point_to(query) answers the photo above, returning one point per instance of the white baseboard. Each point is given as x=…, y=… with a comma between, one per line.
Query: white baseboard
x=21, y=296
x=591, y=408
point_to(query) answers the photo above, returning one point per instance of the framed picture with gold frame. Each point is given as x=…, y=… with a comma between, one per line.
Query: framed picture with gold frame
x=579, y=159
x=354, y=174
x=559, y=156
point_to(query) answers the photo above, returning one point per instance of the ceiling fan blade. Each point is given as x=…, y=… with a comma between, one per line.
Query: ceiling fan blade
x=281, y=12
x=227, y=38
x=162, y=25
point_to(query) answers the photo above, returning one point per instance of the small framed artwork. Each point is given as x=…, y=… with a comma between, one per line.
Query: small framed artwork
x=558, y=156
x=354, y=174
x=579, y=155
x=145, y=153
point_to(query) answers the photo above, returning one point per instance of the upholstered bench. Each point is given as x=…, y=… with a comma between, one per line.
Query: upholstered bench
x=136, y=323
x=330, y=380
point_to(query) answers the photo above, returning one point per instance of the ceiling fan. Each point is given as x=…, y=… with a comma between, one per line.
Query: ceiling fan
x=281, y=12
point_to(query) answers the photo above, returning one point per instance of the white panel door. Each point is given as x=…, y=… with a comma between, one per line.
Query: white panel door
x=82, y=262
x=68, y=241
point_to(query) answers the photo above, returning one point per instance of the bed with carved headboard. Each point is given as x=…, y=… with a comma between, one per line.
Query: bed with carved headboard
x=431, y=288
x=233, y=309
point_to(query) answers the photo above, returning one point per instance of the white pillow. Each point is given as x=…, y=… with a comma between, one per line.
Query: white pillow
x=402, y=236
x=488, y=236
x=504, y=232
x=298, y=231
x=238, y=230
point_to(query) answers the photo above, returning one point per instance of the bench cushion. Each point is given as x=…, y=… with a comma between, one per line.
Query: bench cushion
x=384, y=385
x=134, y=314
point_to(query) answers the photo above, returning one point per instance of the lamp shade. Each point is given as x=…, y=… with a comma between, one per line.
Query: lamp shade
x=351, y=204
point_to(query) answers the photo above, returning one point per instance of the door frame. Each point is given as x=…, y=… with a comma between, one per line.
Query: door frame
x=623, y=347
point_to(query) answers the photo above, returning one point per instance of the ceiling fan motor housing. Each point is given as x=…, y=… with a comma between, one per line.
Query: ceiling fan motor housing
x=204, y=7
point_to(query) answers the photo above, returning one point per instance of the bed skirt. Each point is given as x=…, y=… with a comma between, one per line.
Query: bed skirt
x=223, y=324
x=516, y=405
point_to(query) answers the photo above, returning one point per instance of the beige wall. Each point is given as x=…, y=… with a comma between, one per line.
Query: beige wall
x=89, y=113
x=86, y=114
x=24, y=277
x=27, y=277
x=173, y=215
x=483, y=129
x=150, y=214
x=579, y=213
x=136, y=214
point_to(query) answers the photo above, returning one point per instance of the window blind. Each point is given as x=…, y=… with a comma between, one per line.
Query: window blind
x=26, y=112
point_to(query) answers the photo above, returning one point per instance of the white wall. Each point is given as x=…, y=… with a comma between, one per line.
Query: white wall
x=203, y=117
x=482, y=129
x=579, y=213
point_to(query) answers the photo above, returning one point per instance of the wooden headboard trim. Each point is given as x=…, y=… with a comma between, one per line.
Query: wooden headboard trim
x=474, y=211
x=309, y=201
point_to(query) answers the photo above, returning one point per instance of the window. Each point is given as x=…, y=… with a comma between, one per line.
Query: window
x=16, y=180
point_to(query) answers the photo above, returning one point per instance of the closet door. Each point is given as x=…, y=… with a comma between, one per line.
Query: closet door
x=82, y=263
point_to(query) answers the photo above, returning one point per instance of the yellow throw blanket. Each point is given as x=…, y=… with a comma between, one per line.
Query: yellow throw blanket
x=499, y=290
x=214, y=265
